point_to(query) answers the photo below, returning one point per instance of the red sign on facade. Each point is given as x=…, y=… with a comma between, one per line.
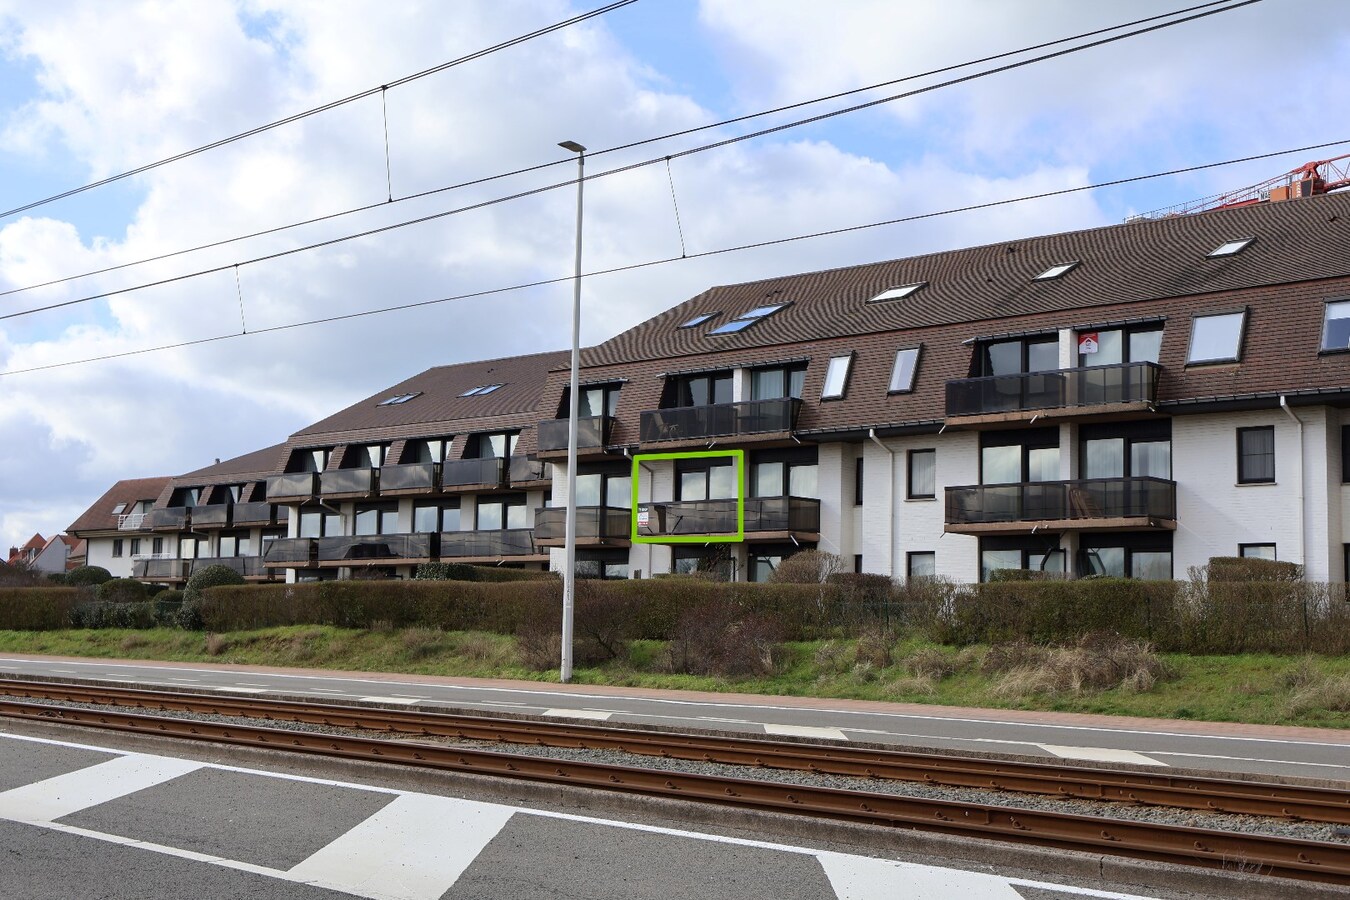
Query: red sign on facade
x=1087, y=342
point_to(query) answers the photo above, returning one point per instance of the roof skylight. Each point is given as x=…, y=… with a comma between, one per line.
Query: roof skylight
x=399, y=398
x=898, y=293
x=1230, y=248
x=760, y=312
x=733, y=327
x=117, y=510
x=699, y=319
x=481, y=390
x=1056, y=271
x=746, y=319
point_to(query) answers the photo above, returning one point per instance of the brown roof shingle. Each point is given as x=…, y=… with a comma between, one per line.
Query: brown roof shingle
x=100, y=516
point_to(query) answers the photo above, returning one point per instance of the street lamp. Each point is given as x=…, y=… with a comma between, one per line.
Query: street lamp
x=570, y=541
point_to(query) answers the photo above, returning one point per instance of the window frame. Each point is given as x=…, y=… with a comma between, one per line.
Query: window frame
x=117, y=548
x=1322, y=348
x=844, y=380
x=1058, y=270
x=698, y=319
x=1244, y=313
x=891, y=388
x=899, y=292
x=1244, y=547
x=1242, y=476
x=1238, y=245
x=909, y=474
x=914, y=554
x=858, y=481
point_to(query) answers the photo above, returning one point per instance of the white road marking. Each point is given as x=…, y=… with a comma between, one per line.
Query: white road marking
x=48, y=800
x=598, y=715
x=326, y=690
x=252, y=684
x=865, y=878
x=810, y=731
x=239, y=690
x=1101, y=754
x=415, y=848
x=1251, y=759
x=406, y=701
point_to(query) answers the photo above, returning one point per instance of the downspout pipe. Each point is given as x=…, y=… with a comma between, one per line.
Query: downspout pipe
x=890, y=538
x=1302, y=510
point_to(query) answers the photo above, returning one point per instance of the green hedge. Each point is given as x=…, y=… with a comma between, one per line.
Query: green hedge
x=37, y=608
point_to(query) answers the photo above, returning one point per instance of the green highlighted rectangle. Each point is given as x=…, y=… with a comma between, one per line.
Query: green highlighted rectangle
x=641, y=511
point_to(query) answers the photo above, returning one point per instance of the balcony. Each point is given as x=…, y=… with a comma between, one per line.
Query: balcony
x=489, y=546
x=253, y=514
x=291, y=553
x=411, y=478
x=1092, y=390
x=1098, y=504
x=213, y=515
x=473, y=474
x=696, y=423
x=169, y=518
x=247, y=566
x=527, y=470
x=602, y=526
x=376, y=549
x=765, y=518
x=292, y=487
x=161, y=569
x=131, y=522
x=339, y=483
x=592, y=434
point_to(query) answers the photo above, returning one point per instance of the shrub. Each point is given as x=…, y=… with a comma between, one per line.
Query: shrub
x=56, y=578
x=1242, y=568
x=808, y=567
x=169, y=595
x=36, y=608
x=209, y=577
x=121, y=590
x=445, y=572
x=19, y=573
x=106, y=614
x=87, y=576
x=1093, y=663
x=720, y=638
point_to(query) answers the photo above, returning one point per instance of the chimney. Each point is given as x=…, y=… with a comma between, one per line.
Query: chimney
x=217, y=460
x=13, y=552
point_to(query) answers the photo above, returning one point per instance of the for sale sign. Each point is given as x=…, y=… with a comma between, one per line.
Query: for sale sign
x=1087, y=342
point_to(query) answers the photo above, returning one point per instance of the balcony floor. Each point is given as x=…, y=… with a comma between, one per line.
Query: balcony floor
x=584, y=542
x=1120, y=523
x=1101, y=412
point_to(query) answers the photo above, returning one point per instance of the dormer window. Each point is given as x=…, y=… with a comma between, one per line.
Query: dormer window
x=1217, y=338
x=1057, y=271
x=1230, y=248
x=745, y=320
x=898, y=293
x=399, y=398
x=481, y=390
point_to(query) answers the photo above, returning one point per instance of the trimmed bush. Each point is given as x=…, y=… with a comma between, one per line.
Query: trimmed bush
x=37, y=608
x=87, y=576
x=121, y=590
x=104, y=614
x=445, y=572
x=209, y=577
x=1242, y=568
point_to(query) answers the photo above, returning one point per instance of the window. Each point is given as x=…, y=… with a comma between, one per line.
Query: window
x=715, y=561
x=699, y=319
x=1113, y=346
x=366, y=456
x=376, y=519
x=1056, y=271
x=703, y=389
x=235, y=544
x=784, y=473
x=157, y=546
x=1017, y=356
x=857, y=563
x=778, y=382
x=1257, y=551
x=1230, y=248
x=906, y=367
x=429, y=450
x=1033, y=553
x=1025, y=455
x=745, y=320
x=481, y=390
x=922, y=474
x=921, y=564
x=599, y=489
x=135, y=546
x=763, y=559
x=1145, y=555
x=1256, y=455
x=593, y=401
x=493, y=445
x=705, y=479
x=319, y=522
x=1336, y=326
x=898, y=293
x=399, y=398
x=501, y=512
x=858, y=481
x=431, y=517
x=1126, y=450
x=1345, y=454
x=836, y=377
x=118, y=509
x=314, y=460
x=117, y=548
x=606, y=564
x=1216, y=338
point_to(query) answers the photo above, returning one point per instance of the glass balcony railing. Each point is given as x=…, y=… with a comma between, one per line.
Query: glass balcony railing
x=461, y=473
x=511, y=542
x=212, y=515
x=409, y=477
x=169, y=518
x=1135, y=382
x=1084, y=500
x=292, y=486
x=156, y=569
x=762, y=514
x=349, y=481
x=294, y=552
x=593, y=523
x=527, y=468
x=592, y=433
x=247, y=566
x=720, y=420
x=253, y=514
x=366, y=548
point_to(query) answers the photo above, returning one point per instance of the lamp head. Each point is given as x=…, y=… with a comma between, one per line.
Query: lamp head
x=573, y=146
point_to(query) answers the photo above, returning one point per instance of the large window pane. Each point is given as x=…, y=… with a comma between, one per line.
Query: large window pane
x=1110, y=349
x=1043, y=356
x=922, y=473
x=802, y=481
x=491, y=516
x=922, y=564
x=766, y=384
x=902, y=375
x=1256, y=455
x=1050, y=561
x=768, y=480
x=1004, y=358
x=1145, y=345
x=993, y=560
x=619, y=491
x=694, y=485
x=1336, y=331
x=1151, y=459
x=588, y=490
x=311, y=524
x=426, y=519
x=721, y=482
x=1001, y=465
x=1043, y=464
x=368, y=521
x=1152, y=565
x=517, y=516
x=836, y=377
x=1104, y=458
x=1216, y=338
x=450, y=519
x=1105, y=561
x=796, y=382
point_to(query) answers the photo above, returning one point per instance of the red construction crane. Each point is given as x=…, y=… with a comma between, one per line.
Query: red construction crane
x=1308, y=180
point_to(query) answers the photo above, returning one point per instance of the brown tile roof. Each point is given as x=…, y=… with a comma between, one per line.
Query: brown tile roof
x=248, y=467
x=100, y=516
x=1295, y=241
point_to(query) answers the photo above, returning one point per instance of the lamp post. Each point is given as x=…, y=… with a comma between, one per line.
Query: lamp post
x=570, y=541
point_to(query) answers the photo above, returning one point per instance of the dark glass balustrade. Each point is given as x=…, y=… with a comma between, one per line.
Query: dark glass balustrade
x=592, y=433
x=161, y=569
x=511, y=542
x=688, y=517
x=247, y=566
x=409, y=477
x=1087, y=499
x=214, y=515
x=465, y=472
x=171, y=518
x=292, y=551
x=593, y=522
x=348, y=481
x=367, y=547
x=1135, y=382
x=527, y=468
x=253, y=514
x=720, y=419
x=292, y=486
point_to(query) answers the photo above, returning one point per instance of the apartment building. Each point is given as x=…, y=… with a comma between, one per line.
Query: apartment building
x=115, y=528
x=1129, y=400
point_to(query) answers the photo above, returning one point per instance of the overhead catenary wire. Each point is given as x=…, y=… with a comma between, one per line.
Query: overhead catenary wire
x=628, y=167
x=670, y=259
x=332, y=104
x=328, y=217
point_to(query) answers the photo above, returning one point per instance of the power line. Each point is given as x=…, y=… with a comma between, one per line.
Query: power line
x=332, y=104
x=628, y=146
x=401, y=307
x=631, y=166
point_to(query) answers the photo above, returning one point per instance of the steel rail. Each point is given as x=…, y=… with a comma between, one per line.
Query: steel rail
x=1251, y=853
x=1208, y=794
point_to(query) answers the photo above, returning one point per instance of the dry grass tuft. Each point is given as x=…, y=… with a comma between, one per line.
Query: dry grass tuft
x=216, y=644
x=912, y=686
x=1328, y=692
x=420, y=643
x=831, y=658
x=1095, y=663
x=930, y=663
x=134, y=641
x=874, y=649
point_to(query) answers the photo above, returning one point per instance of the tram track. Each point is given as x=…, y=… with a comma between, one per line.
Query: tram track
x=1253, y=852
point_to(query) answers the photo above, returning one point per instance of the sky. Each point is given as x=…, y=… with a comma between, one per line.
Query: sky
x=90, y=90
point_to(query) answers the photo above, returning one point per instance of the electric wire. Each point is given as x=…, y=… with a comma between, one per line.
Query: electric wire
x=618, y=148
x=672, y=259
x=332, y=104
x=623, y=168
